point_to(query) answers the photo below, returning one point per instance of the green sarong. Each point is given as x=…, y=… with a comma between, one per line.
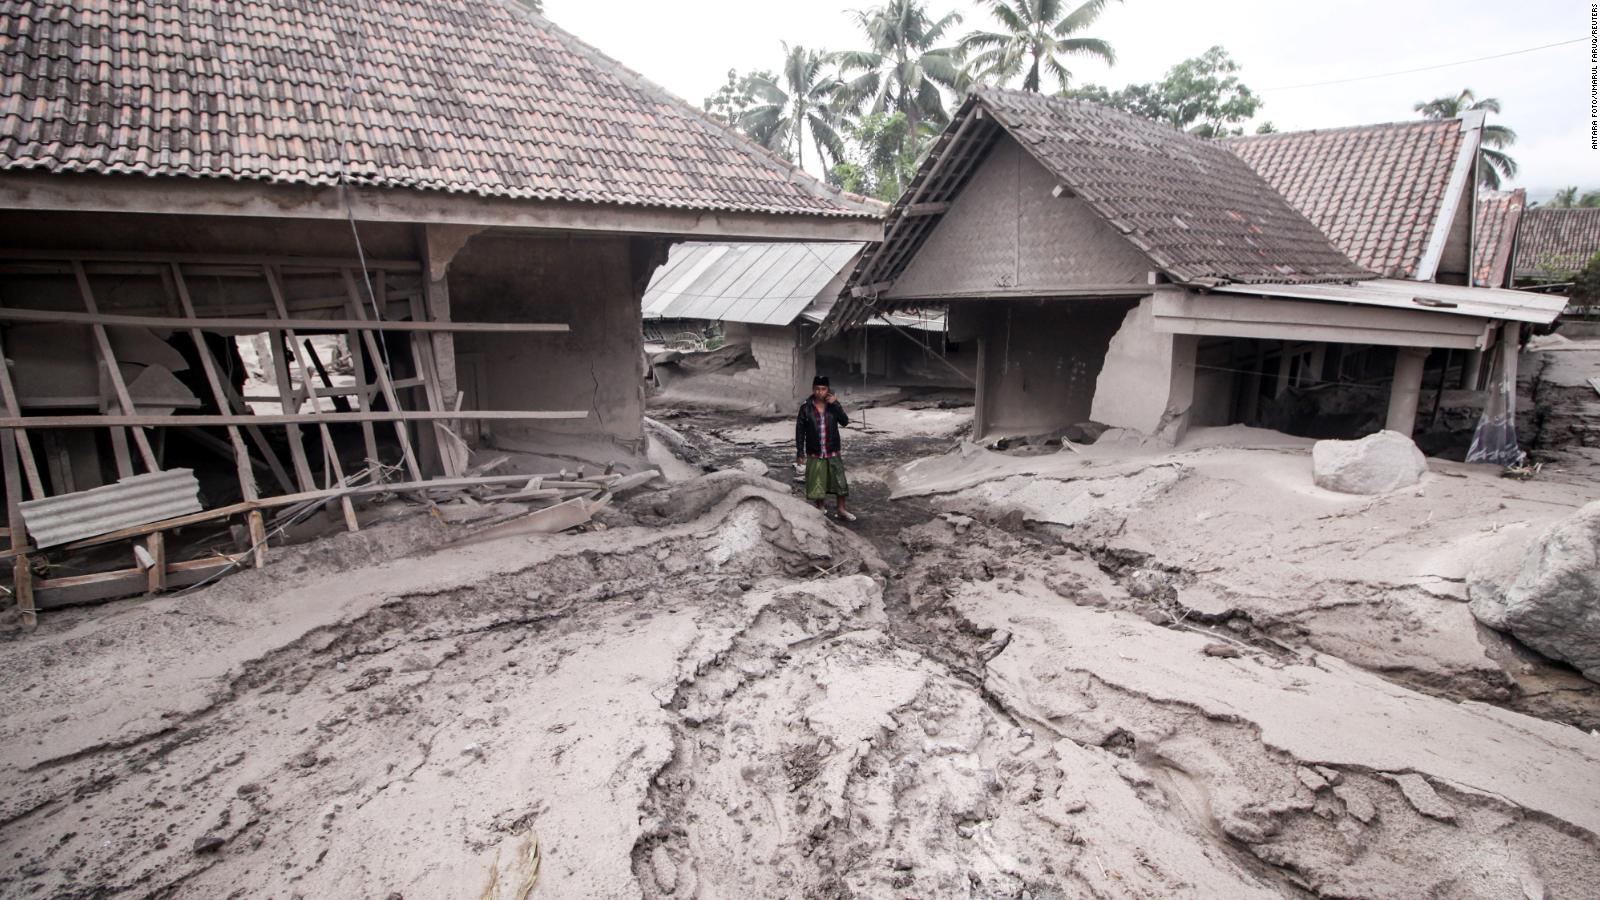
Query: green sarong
x=824, y=477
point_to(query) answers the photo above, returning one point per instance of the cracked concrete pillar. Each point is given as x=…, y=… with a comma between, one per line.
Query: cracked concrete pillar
x=1406, y=389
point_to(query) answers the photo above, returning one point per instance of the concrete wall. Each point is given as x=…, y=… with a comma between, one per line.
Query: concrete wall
x=1148, y=380
x=1040, y=360
x=587, y=283
x=1005, y=231
x=784, y=368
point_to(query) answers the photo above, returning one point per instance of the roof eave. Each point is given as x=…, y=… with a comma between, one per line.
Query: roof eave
x=166, y=195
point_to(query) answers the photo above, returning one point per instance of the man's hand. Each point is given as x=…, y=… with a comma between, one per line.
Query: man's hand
x=830, y=399
x=799, y=460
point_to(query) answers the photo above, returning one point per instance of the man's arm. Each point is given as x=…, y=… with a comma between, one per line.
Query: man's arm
x=800, y=435
x=839, y=414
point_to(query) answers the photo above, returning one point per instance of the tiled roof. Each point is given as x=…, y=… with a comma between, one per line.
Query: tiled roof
x=1201, y=214
x=1494, y=232
x=477, y=96
x=1379, y=191
x=1556, y=242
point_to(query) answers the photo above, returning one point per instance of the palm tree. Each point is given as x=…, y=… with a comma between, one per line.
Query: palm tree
x=904, y=70
x=802, y=101
x=1036, y=36
x=1494, y=164
x=1565, y=198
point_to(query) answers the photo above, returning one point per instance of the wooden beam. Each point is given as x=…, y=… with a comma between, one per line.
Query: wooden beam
x=926, y=209
x=224, y=259
x=156, y=575
x=17, y=531
x=25, y=449
x=229, y=325
x=290, y=403
x=330, y=450
x=151, y=420
x=109, y=360
x=53, y=592
x=220, y=197
x=173, y=281
x=381, y=370
x=222, y=512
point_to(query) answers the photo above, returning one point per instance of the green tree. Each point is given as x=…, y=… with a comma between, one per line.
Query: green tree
x=1034, y=40
x=802, y=103
x=1568, y=198
x=1202, y=95
x=1494, y=163
x=885, y=158
x=729, y=104
x=1586, y=284
x=904, y=71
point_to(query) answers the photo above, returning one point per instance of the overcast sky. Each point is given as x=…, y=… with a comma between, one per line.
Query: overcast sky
x=688, y=46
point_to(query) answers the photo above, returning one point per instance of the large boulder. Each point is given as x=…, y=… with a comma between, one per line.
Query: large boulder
x=1373, y=465
x=1553, y=605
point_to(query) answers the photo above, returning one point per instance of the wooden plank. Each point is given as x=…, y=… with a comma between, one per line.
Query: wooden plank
x=152, y=420
x=229, y=325
x=56, y=592
x=223, y=512
x=258, y=538
x=330, y=450
x=109, y=360
x=422, y=348
x=381, y=371
x=280, y=368
x=24, y=449
x=307, y=262
x=17, y=531
x=252, y=428
x=156, y=575
x=926, y=209
x=175, y=283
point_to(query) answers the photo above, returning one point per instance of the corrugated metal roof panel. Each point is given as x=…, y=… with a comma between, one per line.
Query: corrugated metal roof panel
x=759, y=284
x=1489, y=303
x=135, y=500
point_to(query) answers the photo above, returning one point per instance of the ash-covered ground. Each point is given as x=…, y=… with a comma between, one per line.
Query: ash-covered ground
x=1109, y=672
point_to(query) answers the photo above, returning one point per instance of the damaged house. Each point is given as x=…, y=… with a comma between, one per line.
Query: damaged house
x=1553, y=244
x=1494, y=236
x=423, y=230
x=772, y=297
x=1115, y=270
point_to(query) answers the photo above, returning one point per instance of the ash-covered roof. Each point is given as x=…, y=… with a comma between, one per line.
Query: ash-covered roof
x=483, y=98
x=1556, y=242
x=1494, y=234
x=1201, y=214
x=1383, y=193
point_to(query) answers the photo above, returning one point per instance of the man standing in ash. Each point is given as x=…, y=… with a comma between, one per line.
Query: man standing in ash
x=816, y=443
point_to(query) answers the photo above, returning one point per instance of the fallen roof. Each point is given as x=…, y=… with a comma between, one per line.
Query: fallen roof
x=1201, y=214
x=1556, y=242
x=1385, y=194
x=483, y=98
x=1494, y=235
x=755, y=283
x=1397, y=293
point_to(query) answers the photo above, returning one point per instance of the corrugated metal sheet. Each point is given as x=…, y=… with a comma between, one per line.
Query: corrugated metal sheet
x=136, y=500
x=758, y=284
x=1489, y=303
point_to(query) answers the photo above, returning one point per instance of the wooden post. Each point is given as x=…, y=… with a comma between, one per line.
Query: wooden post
x=22, y=575
x=157, y=573
x=1285, y=359
x=330, y=449
x=30, y=467
x=109, y=360
x=380, y=369
x=258, y=538
x=287, y=398
x=174, y=282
